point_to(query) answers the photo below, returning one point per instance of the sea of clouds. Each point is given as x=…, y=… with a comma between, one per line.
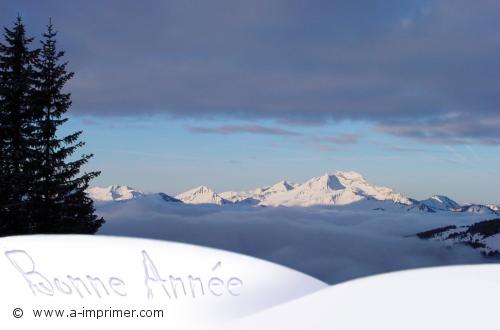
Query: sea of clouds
x=331, y=244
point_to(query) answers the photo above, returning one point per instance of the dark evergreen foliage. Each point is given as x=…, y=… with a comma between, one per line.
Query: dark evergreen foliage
x=16, y=128
x=41, y=188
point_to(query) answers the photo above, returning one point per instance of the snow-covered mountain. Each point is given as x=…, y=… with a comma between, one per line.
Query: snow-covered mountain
x=341, y=188
x=443, y=203
x=439, y=202
x=477, y=208
x=337, y=189
x=113, y=193
x=421, y=207
x=258, y=195
x=494, y=207
x=483, y=236
x=356, y=182
x=201, y=195
x=167, y=198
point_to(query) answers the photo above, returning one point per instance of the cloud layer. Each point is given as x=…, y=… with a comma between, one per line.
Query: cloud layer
x=333, y=245
x=235, y=129
x=393, y=63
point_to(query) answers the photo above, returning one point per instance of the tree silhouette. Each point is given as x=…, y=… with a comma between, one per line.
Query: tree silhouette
x=16, y=128
x=42, y=189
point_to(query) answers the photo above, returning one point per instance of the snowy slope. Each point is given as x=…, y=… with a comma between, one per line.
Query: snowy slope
x=166, y=198
x=439, y=202
x=494, y=207
x=483, y=236
x=420, y=207
x=477, y=208
x=443, y=203
x=113, y=193
x=341, y=188
x=356, y=182
x=201, y=195
x=259, y=194
x=322, y=190
x=277, y=188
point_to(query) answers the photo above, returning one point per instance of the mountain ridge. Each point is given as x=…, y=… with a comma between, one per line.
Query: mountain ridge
x=337, y=189
x=201, y=195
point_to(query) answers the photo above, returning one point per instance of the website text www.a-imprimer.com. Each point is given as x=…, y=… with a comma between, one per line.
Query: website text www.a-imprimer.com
x=93, y=313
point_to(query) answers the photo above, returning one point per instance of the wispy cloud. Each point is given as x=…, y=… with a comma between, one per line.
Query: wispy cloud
x=407, y=149
x=238, y=129
x=460, y=129
x=340, y=139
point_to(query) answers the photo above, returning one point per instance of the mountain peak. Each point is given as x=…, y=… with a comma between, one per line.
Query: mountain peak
x=324, y=182
x=340, y=188
x=201, y=195
x=350, y=175
x=281, y=186
x=478, y=208
x=201, y=189
x=355, y=182
x=440, y=198
x=440, y=202
x=113, y=193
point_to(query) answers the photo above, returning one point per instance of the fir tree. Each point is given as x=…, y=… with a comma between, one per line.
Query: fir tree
x=41, y=188
x=58, y=200
x=16, y=129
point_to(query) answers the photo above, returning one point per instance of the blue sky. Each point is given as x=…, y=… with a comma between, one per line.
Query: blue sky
x=163, y=154
x=237, y=94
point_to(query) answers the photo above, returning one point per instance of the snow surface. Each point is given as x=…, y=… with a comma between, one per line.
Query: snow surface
x=494, y=207
x=475, y=208
x=440, y=202
x=340, y=188
x=482, y=236
x=442, y=298
x=259, y=194
x=201, y=195
x=113, y=193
